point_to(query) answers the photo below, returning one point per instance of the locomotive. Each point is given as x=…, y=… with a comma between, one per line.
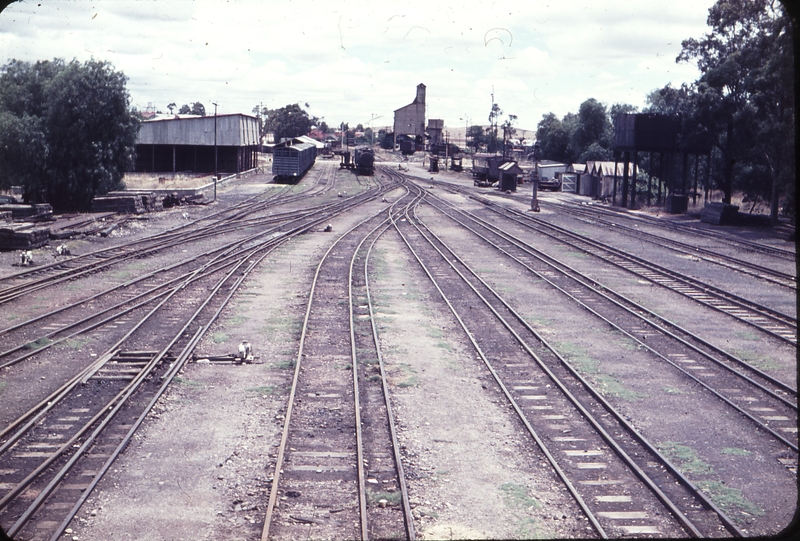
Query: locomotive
x=364, y=161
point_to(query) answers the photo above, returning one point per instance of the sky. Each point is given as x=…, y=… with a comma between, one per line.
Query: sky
x=357, y=61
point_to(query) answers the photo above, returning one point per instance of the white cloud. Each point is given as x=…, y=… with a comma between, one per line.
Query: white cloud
x=351, y=60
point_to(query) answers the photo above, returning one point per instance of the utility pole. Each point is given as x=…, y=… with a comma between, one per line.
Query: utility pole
x=535, y=177
x=216, y=163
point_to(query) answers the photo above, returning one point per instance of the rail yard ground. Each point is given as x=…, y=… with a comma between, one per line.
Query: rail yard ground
x=202, y=465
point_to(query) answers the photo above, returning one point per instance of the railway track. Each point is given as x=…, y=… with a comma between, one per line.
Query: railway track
x=763, y=318
x=59, y=449
x=217, y=224
x=762, y=272
x=640, y=492
x=619, y=213
x=772, y=404
x=337, y=472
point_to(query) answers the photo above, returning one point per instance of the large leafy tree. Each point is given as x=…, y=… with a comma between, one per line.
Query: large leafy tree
x=553, y=138
x=576, y=138
x=288, y=121
x=744, y=97
x=67, y=131
x=593, y=130
x=475, y=137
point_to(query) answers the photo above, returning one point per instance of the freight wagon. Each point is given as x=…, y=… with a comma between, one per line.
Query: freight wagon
x=291, y=160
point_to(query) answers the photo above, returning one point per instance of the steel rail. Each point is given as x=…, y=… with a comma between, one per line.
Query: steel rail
x=292, y=393
x=753, y=269
x=772, y=250
x=626, y=458
x=557, y=265
x=623, y=302
x=551, y=459
x=168, y=378
x=293, y=217
x=266, y=248
x=407, y=516
x=354, y=358
x=691, y=288
x=157, y=242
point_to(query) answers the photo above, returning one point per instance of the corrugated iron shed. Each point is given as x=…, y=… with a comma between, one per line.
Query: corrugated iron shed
x=231, y=130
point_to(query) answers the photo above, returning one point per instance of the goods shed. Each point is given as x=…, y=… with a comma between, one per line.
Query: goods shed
x=198, y=144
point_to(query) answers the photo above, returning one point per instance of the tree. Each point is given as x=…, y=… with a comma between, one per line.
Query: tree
x=72, y=136
x=171, y=106
x=185, y=110
x=508, y=131
x=289, y=121
x=593, y=127
x=475, y=137
x=198, y=109
x=744, y=96
x=494, y=115
x=553, y=138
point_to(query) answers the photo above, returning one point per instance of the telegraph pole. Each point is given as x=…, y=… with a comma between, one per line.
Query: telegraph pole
x=216, y=165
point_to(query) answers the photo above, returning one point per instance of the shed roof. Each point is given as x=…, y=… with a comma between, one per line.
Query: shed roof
x=293, y=144
x=511, y=168
x=307, y=139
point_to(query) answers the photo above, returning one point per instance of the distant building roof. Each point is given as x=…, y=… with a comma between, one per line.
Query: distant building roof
x=311, y=140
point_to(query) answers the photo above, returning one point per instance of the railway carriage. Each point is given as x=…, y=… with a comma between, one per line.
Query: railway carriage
x=291, y=160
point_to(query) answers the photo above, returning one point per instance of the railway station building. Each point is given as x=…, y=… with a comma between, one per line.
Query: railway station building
x=188, y=144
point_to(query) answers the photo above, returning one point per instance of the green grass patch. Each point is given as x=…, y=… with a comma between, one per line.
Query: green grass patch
x=517, y=496
x=730, y=499
x=539, y=321
x=747, y=335
x=235, y=321
x=392, y=498
x=609, y=385
x=753, y=358
x=686, y=457
x=77, y=343
x=765, y=364
x=409, y=378
x=625, y=342
x=284, y=365
x=219, y=337
x=263, y=390
x=38, y=343
x=435, y=332
x=578, y=357
x=576, y=255
x=528, y=528
x=673, y=390
x=735, y=451
x=3, y=385
x=189, y=382
x=444, y=345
